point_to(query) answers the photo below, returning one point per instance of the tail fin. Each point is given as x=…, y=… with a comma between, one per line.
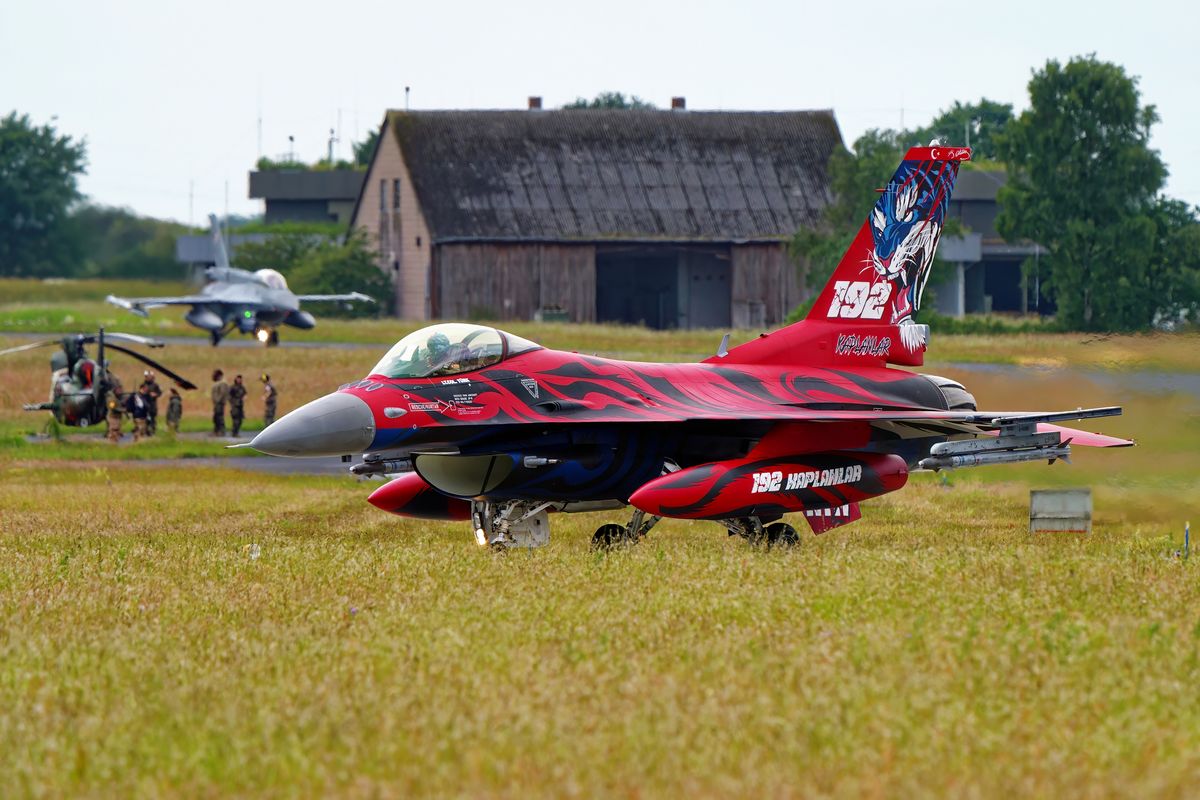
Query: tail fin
x=865, y=312
x=882, y=276
x=220, y=256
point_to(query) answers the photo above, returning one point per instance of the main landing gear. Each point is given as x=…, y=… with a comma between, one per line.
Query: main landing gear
x=776, y=534
x=612, y=535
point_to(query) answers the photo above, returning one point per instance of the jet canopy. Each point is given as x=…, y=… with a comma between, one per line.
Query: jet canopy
x=271, y=278
x=449, y=349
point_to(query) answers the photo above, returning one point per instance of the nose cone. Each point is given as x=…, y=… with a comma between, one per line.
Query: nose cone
x=336, y=424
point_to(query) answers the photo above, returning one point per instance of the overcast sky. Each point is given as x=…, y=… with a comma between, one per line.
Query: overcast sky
x=169, y=95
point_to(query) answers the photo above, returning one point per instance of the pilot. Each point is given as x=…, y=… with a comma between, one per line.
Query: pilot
x=436, y=349
x=442, y=358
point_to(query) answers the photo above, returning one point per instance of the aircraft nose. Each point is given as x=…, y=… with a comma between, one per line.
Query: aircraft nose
x=336, y=424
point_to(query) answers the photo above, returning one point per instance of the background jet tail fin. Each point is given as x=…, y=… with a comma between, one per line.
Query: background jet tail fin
x=220, y=254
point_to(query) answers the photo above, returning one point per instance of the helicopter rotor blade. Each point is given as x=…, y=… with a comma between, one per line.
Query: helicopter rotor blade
x=146, y=341
x=23, y=347
x=179, y=379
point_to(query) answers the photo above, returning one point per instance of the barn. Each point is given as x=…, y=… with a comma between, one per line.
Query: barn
x=669, y=219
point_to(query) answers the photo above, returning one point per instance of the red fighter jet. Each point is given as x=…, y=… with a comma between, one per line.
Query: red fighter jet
x=481, y=425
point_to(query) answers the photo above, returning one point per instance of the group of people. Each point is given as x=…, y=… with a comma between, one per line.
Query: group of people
x=235, y=396
x=142, y=407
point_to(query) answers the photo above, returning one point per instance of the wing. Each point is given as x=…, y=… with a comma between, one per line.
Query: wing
x=138, y=305
x=344, y=298
x=985, y=423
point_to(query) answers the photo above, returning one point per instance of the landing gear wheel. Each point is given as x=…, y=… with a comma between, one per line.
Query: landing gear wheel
x=611, y=536
x=215, y=337
x=273, y=339
x=781, y=534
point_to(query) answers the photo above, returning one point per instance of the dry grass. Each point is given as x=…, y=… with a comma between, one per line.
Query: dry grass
x=144, y=651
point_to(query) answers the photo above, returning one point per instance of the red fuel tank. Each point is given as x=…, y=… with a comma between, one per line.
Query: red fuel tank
x=410, y=496
x=749, y=487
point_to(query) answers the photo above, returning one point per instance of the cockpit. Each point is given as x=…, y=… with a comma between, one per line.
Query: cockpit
x=451, y=348
x=271, y=278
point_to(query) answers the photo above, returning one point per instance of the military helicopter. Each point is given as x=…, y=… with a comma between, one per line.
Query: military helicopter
x=78, y=384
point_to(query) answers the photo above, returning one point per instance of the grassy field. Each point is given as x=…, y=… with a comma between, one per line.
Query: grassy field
x=146, y=651
x=933, y=648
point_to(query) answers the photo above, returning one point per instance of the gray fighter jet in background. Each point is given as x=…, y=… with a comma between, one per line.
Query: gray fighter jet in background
x=236, y=299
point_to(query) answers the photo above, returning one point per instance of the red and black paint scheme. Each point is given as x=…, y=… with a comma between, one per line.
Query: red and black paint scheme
x=813, y=418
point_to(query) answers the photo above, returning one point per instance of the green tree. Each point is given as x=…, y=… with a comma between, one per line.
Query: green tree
x=610, y=100
x=116, y=243
x=854, y=178
x=1083, y=182
x=314, y=263
x=347, y=266
x=38, y=174
x=365, y=149
x=975, y=124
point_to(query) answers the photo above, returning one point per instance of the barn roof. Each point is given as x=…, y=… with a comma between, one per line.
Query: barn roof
x=617, y=174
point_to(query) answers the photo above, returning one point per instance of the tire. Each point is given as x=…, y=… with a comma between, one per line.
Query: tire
x=780, y=534
x=611, y=536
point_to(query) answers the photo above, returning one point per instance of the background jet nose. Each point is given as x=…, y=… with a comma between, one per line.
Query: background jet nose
x=336, y=424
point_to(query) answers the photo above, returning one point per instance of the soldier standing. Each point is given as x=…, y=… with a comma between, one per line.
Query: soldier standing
x=153, y=392
x=220, y=393
x=270, y=398
x=174, y=410
x=112, y=401
x=237, y=411
x=138, y=406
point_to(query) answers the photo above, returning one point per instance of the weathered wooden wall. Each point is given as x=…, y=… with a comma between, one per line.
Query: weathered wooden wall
x=512, y=281
x=767, y=285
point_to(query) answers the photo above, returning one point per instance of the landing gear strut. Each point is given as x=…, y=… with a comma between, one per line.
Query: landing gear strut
x=612, y=535
x=515, y=523
x=776, y=534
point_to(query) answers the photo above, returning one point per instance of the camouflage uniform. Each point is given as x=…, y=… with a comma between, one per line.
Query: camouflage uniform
x=270, y=398
x=112, y=401
x=174, y=411
x=153, y=392
x=237, y=409
x=220, y=393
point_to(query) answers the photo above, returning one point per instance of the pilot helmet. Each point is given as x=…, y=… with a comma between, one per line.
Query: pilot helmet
x=438, y=344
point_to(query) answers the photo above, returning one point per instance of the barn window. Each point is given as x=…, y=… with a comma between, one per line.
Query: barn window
x=396, y=194
x=382, y=195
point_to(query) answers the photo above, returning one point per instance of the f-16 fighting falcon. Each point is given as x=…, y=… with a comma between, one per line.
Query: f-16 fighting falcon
x=235, y=299
x=813, y=419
